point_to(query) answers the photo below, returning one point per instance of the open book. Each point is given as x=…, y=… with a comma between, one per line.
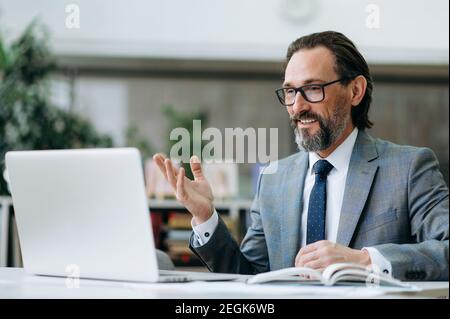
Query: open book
x=333, y=274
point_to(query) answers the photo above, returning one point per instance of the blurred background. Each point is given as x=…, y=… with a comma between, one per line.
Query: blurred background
x=124, y=73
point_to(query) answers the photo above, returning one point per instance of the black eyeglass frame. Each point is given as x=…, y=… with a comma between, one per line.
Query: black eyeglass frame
x=302, y=92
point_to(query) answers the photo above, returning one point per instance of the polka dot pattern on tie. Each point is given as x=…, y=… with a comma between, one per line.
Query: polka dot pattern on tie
x=315, y=228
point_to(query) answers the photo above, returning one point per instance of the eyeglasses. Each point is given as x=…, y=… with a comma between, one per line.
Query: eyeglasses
x=313, y=93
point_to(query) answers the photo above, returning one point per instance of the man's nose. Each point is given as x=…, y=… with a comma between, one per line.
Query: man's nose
x=300, y=104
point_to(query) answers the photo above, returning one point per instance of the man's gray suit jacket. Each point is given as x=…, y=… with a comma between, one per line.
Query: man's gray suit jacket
x=395, y=200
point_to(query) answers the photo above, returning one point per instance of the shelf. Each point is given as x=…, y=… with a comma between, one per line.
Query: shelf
x=233, y=206
x=171, y=218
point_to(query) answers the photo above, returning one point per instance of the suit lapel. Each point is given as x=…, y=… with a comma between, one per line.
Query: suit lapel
x=292, y=207
x=360, y=176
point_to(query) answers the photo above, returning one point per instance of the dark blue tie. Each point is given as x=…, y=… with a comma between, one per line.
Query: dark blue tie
x=318, y=203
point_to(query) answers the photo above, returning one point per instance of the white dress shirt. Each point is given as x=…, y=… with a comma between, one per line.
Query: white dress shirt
x=340, y=159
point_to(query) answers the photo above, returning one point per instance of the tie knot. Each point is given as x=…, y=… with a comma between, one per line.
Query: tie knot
x=322, y=168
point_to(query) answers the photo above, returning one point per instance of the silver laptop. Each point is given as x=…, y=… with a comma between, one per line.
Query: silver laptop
x=86, y=211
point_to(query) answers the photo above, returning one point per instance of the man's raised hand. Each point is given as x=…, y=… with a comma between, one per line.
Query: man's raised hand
x=196, y=195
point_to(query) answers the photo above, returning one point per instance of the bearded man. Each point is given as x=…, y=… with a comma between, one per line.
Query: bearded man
x=344, y=197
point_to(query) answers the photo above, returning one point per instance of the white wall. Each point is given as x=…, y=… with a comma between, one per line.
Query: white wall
x=411, y=31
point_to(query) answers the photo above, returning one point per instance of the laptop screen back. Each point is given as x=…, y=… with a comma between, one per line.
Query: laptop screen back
x=85, y=210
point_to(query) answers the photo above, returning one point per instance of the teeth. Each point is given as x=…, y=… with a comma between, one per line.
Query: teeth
x=307, y=121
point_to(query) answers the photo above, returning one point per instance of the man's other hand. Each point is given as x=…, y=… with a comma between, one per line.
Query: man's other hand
x=321, y=254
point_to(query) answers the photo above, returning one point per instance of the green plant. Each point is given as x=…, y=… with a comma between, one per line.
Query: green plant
x=185, y=120
x=134, y=139
x=28, y=120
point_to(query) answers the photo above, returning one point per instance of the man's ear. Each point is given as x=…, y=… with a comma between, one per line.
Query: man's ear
x=358, y=85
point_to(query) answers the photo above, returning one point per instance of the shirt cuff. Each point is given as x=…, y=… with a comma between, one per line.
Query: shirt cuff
x=379, y=262
x=204, y=231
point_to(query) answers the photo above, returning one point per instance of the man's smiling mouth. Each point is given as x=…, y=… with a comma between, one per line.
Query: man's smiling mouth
x=307, y=121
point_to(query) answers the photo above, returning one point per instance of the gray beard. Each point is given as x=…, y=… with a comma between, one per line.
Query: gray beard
x=329, y=132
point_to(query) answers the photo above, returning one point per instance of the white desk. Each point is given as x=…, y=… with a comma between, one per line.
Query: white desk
x=15, y=283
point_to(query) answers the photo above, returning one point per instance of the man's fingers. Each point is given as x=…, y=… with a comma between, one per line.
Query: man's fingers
x=303, y=251
x=159, y=160
x=323, y=261
x=297, y=258
x=314, y=246
x=315, y=264
x=159, y=156
x=181, y=193
x=170, y=174
x=304, y=259
x=306, y=250
x=196, y=168
x=310, y=248
x=175, y=170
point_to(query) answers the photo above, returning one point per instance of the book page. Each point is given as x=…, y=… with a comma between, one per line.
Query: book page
x=287, y=274
x=348, y=272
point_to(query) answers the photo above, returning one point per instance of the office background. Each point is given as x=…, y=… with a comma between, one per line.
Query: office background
x=130, y=59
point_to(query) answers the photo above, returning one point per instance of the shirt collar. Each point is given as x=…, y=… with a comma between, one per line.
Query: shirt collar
x=340, y=157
